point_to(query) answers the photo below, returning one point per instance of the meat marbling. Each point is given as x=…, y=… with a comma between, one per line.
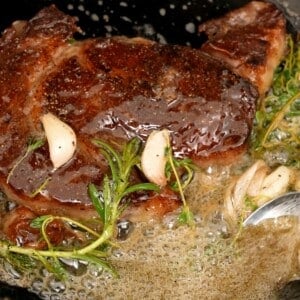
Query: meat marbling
x=116, y=88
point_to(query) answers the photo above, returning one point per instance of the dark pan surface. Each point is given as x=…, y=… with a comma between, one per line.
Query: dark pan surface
x=169, y=21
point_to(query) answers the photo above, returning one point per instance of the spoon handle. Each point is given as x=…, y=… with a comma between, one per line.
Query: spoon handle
x=285, y=205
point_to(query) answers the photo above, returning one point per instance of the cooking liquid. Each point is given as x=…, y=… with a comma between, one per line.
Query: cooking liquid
x=166, y=261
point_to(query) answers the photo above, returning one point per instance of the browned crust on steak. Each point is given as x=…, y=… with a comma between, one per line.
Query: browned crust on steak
x=251, y=40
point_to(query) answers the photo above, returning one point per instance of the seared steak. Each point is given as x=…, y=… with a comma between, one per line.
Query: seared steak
x=251, y=40
x=117, y=88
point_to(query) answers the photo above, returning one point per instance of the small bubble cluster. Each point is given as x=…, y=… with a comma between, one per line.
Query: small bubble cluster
x=159, y=262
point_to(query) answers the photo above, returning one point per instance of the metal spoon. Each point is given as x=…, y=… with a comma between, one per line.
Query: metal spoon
x=285, y=205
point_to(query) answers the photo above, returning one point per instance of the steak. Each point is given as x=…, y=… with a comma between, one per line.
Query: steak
x=118, y=88
x=251, y=40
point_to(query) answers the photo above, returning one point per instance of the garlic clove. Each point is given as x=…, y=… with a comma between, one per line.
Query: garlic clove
x=234, y=202
x=277, y=182
x=256, y=183
x=242, y=184
x=154, y=159
x=61, y=139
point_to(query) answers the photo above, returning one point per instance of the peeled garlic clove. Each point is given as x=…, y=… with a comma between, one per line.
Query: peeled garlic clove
x=236, y=193
x=154, y=159
x=277, y=182
x=242, y=185
x=61, y=139
x=255, y=185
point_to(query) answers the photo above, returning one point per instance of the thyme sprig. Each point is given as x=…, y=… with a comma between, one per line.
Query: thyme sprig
x=277, y=129
x=180, y=183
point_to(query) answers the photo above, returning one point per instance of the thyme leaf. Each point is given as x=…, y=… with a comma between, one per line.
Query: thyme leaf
x=38, y=222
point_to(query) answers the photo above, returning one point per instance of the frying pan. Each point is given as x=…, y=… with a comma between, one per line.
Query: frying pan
x=169, y=21
x=172, y=21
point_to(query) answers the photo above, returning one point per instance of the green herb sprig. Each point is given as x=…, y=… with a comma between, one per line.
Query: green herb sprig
x=276, y=132
x=188, y=167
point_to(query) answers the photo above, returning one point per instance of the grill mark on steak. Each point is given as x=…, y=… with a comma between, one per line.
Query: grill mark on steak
x=113, y=89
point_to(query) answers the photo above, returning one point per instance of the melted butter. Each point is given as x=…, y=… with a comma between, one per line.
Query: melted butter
x=159, y=263
x=207, y=262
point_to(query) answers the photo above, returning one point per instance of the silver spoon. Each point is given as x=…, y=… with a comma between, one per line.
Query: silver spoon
x=285, y=205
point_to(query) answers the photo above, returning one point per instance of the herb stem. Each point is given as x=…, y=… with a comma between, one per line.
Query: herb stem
x=278, y=117
x=186, y=216
x=178, y=180
x=33, y=144
x=80, y=225
x=105, y=236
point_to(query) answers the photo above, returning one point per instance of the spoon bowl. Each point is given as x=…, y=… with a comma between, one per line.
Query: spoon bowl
x=285, y=205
